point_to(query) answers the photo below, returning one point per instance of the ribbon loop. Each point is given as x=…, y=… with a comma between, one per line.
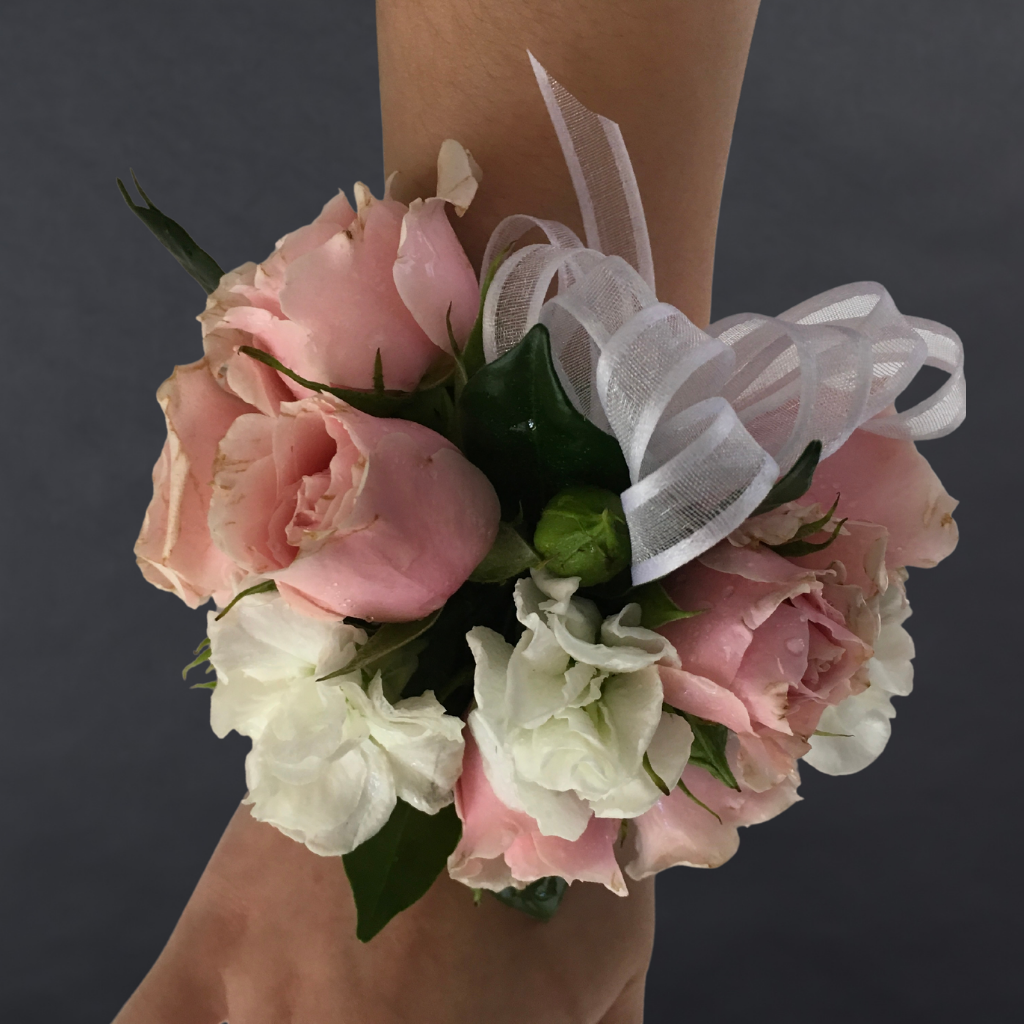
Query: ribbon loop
x=706, y=419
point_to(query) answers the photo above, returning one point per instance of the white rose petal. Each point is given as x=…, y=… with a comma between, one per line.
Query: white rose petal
x=564, y=719
x=329, y=759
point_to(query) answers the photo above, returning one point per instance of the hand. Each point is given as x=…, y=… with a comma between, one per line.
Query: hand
x=269, y=936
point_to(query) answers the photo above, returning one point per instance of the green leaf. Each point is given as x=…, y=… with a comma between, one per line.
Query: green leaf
x=798, y=547
x=708, y=750
x=175, y=239
x=837, y=735
x=202, y=653
x=509, y=556
x=266, y=587
x=654, y=776
x=656, y=607
x=699, y=803
x=446, y=665
x=473, y=353
x=390, y=637
x=540, y=899
x=431, y=407
x=796, y=483
x=395, y=867
x=521, y=429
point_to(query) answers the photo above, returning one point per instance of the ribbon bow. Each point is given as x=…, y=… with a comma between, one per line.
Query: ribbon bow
x=707, y=420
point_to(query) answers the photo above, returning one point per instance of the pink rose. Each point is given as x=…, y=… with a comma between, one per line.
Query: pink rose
x=501, y=847
x=783, y=639
x=678, y=831
x=891, y=484
x=351, y=514
x=174, y=549
x=333, y=293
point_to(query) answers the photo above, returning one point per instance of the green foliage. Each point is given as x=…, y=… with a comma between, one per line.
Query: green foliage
x=388, y=638
x=540, y=899
x=656, y=607
x=266, y=587
x=394, y=868
x=521, y=429
x=175, y=239
x=654, y=776
x=431, y=406
x=202, y=655
x=708, y=750
x=796, y=483
x=582, y=532
x=699, y=803
x=509, y=556
x=797, y=546
x=446, y=664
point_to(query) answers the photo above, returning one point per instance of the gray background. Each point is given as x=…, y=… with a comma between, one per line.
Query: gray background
x=875, y=140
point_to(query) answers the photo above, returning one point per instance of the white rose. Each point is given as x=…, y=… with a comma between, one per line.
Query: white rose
x=328, y=759
x=861, y=724
x=563, y=720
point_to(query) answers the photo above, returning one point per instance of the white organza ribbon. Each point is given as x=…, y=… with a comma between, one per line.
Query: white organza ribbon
x=706, y=420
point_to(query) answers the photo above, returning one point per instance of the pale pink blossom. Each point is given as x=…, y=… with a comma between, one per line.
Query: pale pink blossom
x=175, y=551
x=501, y=847
x=333, y=293
x=351, y=514
x=678, y=831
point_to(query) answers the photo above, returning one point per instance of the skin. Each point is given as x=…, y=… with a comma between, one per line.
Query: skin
x=269, y=934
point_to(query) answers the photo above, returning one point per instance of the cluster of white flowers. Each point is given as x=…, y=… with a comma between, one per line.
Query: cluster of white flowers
x=329, y=758
x=565, y=718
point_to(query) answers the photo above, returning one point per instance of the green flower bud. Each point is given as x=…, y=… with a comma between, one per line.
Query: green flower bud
x=582, y=532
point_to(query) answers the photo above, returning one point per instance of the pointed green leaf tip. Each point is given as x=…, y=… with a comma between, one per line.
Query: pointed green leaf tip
x=656, y=607
x=582, y=532
x=390, y=637
x=521, y=429
x=509, y=556
x=794, y=484
x=708, y=750
x=175, y=239
x=395, y=867
x=798, y=547
x=540, y=899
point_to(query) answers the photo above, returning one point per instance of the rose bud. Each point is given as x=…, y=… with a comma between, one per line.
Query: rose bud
x=582, y=532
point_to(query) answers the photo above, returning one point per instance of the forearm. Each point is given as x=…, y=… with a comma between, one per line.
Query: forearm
x=668, y=71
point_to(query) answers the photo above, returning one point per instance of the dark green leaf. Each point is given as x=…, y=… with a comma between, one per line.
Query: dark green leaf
x=540, y=899
x=796, y=483
x=699, y=803
x=446, y=666
x=394, y=868
x=431, y=407
x=509, y=556
x=387, y=639
x=708, y=750
x=473, y=353
x=521, y=429
x=266, y=587
x=199, y=264
x=656, y=607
